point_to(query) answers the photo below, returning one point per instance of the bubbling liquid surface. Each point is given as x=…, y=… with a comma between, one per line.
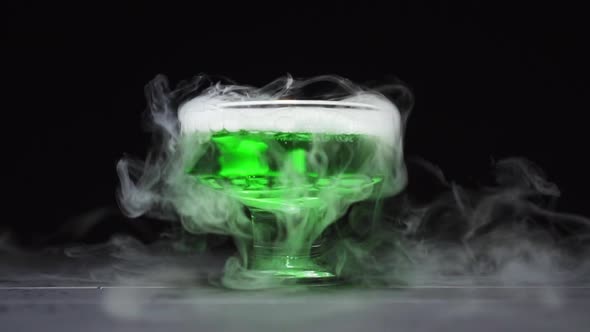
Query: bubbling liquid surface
x=272, y=170
x=362, y=114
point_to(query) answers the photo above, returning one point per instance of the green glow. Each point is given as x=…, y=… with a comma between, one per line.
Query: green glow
x=297, y=160
x=241, y=156
x=295, y=185
x=291, y=267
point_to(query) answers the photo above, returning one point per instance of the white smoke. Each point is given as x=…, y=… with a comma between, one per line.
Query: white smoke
x=504, y=235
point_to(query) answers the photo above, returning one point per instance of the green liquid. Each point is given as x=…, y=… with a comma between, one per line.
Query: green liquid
x=278, y=171
x=289, y=182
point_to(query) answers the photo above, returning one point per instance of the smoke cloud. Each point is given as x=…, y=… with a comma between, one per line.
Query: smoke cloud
x=506, y=233
x=184, y=120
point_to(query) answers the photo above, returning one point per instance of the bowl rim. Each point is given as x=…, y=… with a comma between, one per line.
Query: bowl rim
x=297, y=103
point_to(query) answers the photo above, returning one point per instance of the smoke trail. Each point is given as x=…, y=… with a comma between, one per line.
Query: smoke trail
x=507, y=233
x=164, y=187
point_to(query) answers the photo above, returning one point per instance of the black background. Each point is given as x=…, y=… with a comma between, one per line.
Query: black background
x=489, y=81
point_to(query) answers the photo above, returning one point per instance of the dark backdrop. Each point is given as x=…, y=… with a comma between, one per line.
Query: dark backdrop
x=489, y=82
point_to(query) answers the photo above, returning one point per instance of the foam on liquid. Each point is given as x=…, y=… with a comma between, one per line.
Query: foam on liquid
x=367, y=114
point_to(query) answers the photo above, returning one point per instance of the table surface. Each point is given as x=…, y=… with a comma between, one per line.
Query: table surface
x=128, y=290
x=213, y=309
